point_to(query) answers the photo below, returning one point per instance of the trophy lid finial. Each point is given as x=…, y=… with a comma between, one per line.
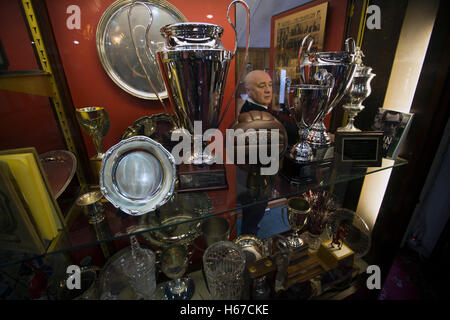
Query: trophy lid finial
x=358, y=56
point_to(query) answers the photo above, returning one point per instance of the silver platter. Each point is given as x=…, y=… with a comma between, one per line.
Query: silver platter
x=138, y=175
x=115, y=46
x=170, y=221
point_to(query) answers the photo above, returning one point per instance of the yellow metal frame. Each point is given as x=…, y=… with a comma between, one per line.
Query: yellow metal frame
x=54, y=92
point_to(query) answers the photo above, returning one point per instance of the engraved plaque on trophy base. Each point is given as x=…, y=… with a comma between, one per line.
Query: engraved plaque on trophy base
x=359, y=149
x=201, y=177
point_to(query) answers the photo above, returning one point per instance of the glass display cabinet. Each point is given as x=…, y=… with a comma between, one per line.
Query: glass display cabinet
x=69, y=123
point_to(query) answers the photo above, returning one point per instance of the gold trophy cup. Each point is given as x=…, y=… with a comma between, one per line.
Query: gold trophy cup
x=95, y=122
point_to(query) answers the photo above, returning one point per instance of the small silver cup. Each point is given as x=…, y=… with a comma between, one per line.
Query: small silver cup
x=92, y=205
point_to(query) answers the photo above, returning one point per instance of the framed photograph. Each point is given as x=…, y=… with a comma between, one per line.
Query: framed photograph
x=32, y=182
x=359, y=149
x=17, y=228
x=288, y=30
x=395, y=126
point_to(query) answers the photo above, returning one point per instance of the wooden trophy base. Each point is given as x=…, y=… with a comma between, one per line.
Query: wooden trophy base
x=335, y=256
x=201, y=177
x=306, y=172
x=302, y=271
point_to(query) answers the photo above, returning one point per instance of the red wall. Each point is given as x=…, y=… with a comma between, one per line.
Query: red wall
x=88, y=82
x=25, y=120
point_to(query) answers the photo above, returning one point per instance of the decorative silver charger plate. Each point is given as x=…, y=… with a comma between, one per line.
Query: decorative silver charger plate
x=115, y=46
x=137, y=175
x=170, y=219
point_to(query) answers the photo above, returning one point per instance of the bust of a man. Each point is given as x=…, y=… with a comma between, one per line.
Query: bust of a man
x=258, y=86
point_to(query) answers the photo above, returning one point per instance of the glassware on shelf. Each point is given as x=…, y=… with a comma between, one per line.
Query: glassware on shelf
x=215, y=229
x=174, y=261
x=323, y=203
x=297, y=211
x=140, y=270
x=224, y=265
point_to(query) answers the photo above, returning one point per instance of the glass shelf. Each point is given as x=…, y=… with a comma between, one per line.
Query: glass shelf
x=184, y=213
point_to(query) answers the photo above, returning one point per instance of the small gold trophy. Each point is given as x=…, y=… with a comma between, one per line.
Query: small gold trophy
x=95, y=122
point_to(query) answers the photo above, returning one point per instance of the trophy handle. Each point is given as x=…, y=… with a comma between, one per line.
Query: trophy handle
x=287, y=92
x=308, y=38
x=247, y=9
x=150, y=57
x=234, y=27
x=350, y=46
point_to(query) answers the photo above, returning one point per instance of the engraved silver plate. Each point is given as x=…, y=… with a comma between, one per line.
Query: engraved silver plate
x=138, y=175
x=115, y=47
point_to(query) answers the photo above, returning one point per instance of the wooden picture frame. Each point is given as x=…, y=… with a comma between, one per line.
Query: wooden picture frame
x=287, y=31
x=359, y=149
x=17, y=228
x=32, y=182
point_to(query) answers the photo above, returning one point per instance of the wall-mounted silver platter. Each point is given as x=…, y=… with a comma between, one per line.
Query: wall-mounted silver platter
x=115, y=46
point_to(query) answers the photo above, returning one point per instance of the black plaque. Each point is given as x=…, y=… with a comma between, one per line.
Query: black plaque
x=201, y=177
x=359, y=149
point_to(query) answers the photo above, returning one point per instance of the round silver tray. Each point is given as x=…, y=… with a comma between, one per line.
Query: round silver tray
x=158, y=126
x=182, y=207
x=137, y=175
x=116, y=51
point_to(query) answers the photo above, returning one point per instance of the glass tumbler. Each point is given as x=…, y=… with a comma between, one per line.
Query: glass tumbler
x=224, y=264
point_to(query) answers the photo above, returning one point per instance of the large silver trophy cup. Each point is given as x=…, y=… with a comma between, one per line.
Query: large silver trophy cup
x=309, y=103
x=314, y=70
x=194, y=65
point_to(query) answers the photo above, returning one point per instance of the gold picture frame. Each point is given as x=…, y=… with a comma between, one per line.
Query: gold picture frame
x=17, y=228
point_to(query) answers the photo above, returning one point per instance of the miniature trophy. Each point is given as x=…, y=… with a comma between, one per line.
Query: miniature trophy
x=359, y=91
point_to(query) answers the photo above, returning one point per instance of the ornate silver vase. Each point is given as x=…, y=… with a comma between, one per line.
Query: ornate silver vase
x=359, y=91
